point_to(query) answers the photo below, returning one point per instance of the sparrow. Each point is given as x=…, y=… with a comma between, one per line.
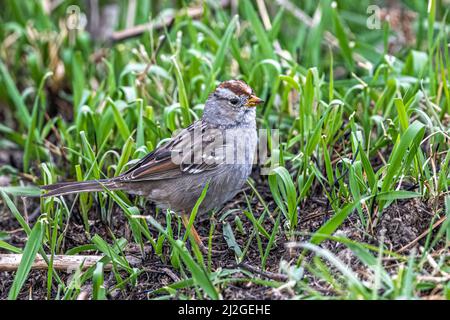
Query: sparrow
x=216, y=151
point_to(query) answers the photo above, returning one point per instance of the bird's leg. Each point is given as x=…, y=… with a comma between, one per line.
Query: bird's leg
x=204, y=249
x=198, y=240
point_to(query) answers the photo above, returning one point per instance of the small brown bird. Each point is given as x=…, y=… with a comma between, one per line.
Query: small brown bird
x=218, y=150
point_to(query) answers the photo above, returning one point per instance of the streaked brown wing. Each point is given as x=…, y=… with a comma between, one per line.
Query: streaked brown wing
x=159, y=163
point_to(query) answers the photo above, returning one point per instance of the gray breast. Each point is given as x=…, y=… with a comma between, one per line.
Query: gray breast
x=225, y=180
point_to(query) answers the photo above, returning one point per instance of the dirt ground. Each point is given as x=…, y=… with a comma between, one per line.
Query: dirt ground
x=399, y=226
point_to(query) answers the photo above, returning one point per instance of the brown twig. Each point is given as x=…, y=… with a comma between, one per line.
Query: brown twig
x=422, y=235
x=267, y=274
x=444, y=279
x=194, y=13
x=312, y=216
x=165, y=271
x=11, y=262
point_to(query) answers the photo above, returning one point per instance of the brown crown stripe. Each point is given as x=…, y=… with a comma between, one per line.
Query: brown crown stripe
x=238, y=87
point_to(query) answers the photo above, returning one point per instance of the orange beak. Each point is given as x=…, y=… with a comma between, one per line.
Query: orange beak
x=253, y=101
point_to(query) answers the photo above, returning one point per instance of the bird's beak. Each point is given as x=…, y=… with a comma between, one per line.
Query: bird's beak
x=253, y=101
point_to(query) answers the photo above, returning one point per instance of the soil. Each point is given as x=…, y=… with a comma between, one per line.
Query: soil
x=400, y=224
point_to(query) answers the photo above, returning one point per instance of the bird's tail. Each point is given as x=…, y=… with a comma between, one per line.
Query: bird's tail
x=63, y=188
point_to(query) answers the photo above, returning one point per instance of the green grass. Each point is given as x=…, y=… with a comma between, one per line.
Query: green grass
x=363, y=127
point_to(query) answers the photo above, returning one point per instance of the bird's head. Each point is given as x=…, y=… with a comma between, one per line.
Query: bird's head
x=233, y=102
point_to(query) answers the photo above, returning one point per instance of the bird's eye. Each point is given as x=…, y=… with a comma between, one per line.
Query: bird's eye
x=234, y=101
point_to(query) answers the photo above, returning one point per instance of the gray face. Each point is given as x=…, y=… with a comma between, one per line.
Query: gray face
x=226, y=108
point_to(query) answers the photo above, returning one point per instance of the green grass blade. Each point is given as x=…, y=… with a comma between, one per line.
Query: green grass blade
x=341, y=35
x=9, y=247
x=414, y=132
x=333, y=224
x=199, y=275
x=14, y=95
x=29, y=147
x=284, y=194
x=29, y=254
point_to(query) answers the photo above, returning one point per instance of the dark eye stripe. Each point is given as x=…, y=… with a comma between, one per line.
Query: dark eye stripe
x=223, y=98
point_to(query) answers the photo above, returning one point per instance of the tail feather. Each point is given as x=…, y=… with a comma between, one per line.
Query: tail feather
x=63, y=188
